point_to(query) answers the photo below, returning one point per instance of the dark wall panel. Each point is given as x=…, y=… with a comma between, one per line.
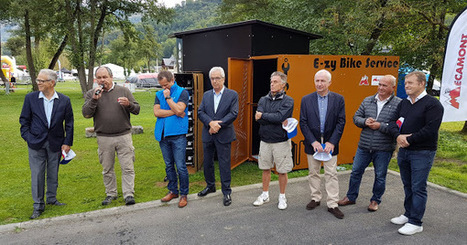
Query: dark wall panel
x=202, y=51
x=269, y=40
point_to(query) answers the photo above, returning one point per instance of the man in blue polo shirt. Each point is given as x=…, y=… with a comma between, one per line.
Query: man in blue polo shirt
x=170, y=108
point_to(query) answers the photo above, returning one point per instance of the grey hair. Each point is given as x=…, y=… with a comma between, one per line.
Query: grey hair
x=51, y=74
x=107, y=68
x=326, y=73
x=391, y=78
x=219, y=69
x=281, y=75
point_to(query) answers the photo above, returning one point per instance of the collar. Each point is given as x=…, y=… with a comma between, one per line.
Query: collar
x=277, y=96
x=419, y=97
x=220, y=93
x=174, y=87
x=113, y=86
x=322, y=97
x=42, y=96
x=386, y=100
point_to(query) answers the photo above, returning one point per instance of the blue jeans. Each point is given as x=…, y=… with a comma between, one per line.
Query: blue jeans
x=362, y=159
x=173, y=151
x=414, y=168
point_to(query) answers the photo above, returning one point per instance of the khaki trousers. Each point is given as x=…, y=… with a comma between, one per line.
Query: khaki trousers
x=330, y=178
x=123, y=145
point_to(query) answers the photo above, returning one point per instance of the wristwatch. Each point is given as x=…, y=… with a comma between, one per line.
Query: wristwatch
x=166, y=98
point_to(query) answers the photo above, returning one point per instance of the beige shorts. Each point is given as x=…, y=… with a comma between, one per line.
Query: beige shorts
x=278, y=153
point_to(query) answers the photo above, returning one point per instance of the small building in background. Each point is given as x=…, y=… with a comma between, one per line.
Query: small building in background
x=199, y=50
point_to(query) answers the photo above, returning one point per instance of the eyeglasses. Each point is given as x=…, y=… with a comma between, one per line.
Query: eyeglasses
x=216, y=78
x=42, y=81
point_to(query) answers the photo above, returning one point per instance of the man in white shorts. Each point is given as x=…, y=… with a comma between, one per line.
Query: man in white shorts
x=275, y=146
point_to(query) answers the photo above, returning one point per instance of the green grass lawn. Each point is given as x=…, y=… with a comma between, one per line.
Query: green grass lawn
x=450, y=166
x=81, y=185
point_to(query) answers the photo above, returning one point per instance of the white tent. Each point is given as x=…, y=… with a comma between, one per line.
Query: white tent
x=117, y=71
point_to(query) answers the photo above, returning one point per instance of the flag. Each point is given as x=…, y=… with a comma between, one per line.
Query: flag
x=453, y=94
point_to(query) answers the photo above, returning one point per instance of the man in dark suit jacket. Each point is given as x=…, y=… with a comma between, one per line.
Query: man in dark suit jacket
x=217, y=111
x=42, y=120
x=322, y=121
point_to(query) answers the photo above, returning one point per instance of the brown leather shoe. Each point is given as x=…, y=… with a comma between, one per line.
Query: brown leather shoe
x=373, y=206
x=312, y=205
x=183, y=201
x=336, y=212
x=345, y=202
x=169, y=197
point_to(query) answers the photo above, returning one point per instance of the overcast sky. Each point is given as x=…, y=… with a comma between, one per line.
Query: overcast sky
x=170, y=3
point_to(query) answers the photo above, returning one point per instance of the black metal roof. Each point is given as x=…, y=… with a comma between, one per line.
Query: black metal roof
x=243, y=23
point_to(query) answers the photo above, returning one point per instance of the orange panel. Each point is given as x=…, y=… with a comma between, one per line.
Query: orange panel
x=354, y=77
x=239, y=79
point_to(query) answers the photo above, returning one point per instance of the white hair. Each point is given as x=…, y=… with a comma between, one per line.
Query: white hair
x=219, y=69
x=325, y=72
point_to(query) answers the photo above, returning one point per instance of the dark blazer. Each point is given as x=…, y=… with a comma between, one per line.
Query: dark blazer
x=33, y=122
x=310, y=125
x=227, y=112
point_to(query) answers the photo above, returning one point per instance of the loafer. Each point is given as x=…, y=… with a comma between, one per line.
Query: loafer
x=410, y=229
x=36, y=213
x=312, y=205
x=336, y=212
x=129, y=200
x=373, y=206
x=227, y=200
x=183, y=201
x=56, y=203
x=108, y=200
x=206, y=191
x=345, y=201
x=169, y=197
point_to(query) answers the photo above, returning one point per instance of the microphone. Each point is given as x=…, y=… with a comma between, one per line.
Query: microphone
x=99, y=91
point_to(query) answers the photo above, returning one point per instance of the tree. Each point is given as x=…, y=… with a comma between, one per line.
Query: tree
x=148, y=46
x=74, y=24
x=413, y=30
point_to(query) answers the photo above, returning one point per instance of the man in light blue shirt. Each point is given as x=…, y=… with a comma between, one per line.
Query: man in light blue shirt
x=48, y=105
x=325, y=140
x=47, y=126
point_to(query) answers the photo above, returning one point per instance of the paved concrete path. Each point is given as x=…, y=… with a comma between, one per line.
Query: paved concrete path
x=207, y=221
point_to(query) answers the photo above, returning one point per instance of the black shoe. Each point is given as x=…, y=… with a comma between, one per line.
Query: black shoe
x=108, y=200
x=206, y=191
x=336, y=212
x=129, y=200
x=56, y=203
x=312, y=205
x=227, y=200
x=36, y=213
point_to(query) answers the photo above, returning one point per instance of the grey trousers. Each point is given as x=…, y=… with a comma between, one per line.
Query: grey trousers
x=40, y=161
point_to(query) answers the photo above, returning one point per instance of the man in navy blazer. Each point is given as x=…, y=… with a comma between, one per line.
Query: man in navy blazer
x=217, y=111
x=322, y=121
x=47, y=126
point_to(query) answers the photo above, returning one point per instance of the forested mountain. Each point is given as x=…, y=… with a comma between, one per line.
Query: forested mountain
x=191, y=15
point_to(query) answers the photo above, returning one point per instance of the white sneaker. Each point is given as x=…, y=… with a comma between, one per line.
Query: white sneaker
x=400, y=220
x=282, y=203
x=410, y=229
x=261, y=200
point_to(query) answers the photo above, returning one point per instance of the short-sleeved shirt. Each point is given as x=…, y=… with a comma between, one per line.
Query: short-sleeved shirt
x=184, y=97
